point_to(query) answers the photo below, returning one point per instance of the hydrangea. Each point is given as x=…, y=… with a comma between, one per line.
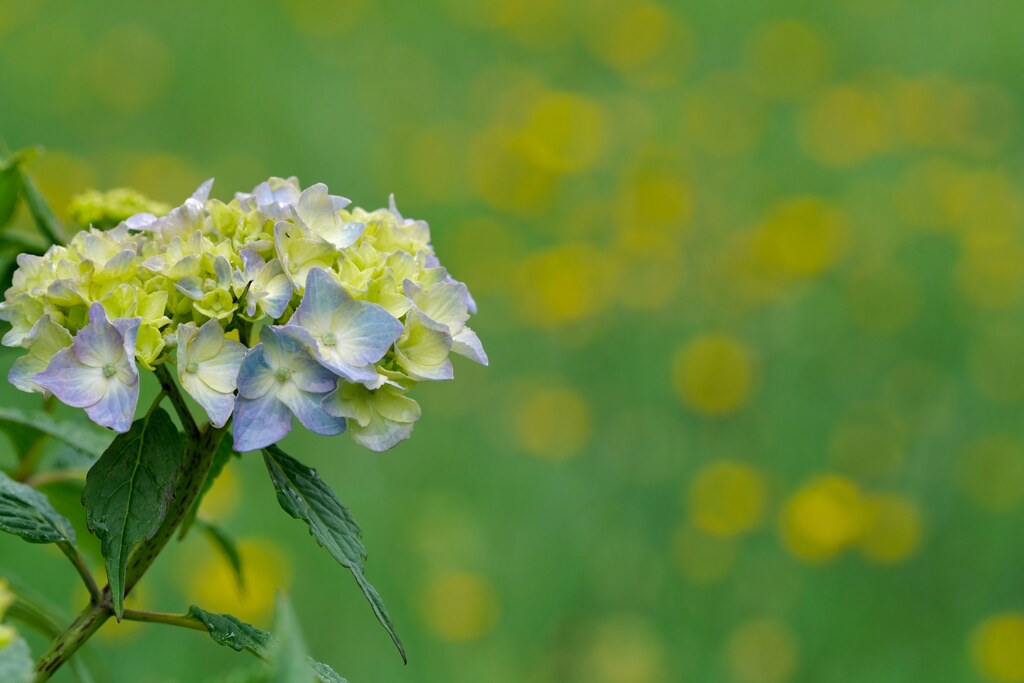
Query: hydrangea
x=283, y=303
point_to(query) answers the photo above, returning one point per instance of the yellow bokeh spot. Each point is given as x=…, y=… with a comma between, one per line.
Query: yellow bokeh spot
x=800, y=237
x=622, y=649
x=165, y=177
x=566, y=133
x=223, y=498
x=714, y=374
x=786, y=59
x=822, y=518
x=722, y=117
x=460, y=606
x=762, y=651
x=324, y=18
x=565, y=284
x=433, y=164
x=990, y=471
x=61, y=176
x=727, y=498
x=882, y=300
x=214, y=585
x=484, y=251
x=701, y=558
x=653, y=210
x=868, y=442
x=505, y=173
x=130, y=68
x=997, y=648
x=845, y=125
x=990, y=276
x=892, y=532
x=553, y=422
x=611, y=30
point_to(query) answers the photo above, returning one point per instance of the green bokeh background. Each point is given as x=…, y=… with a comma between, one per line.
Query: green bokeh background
x=785, y=235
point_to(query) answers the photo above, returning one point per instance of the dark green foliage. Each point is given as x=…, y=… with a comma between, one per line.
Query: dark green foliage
x=305, y=496
x=128, y=490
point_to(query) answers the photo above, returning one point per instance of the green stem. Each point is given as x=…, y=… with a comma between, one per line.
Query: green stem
x=177, y=400
x=55, y=477
x=184, y=621
x=196, y=462
x=67, y=643
x=82, y=568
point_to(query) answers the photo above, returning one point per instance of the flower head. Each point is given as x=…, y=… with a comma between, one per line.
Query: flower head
x=346, y=336
x=378, y=419
x=97, y=372
x=208, y=365
x=341, y=294
x=278, y=379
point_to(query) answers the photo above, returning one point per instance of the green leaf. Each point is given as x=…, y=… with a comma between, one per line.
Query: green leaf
x=16, y=665
x=231, y=632
x=24, y=427
x=227, y=547
x=42, y=214
x=305, y=496
x=220, y=459
x=128, y=490
x=27, y=513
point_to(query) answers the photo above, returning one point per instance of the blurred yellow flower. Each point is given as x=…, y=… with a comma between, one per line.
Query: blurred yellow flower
x=800, y=237
x=622, y=649
x=714, y=374
x=892, y=532
x=997, y=648
x=727, y=498
x=210, y=581
x=566, y=132
x=553, y=422
x=610, y=33
x=762, y=651
x=701, y=558
x=130, y=68
x=786, y=58
x=990, y=471
x=460, y=606
x=823, y=518
x=565, y=284
x=845, y=125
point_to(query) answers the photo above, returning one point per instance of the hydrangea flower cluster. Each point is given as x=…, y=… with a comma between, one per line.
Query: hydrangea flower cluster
x=352, y=309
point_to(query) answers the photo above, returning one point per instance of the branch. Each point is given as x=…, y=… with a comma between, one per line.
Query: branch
x=182, y=621
x=178, y=401
x=82, y=568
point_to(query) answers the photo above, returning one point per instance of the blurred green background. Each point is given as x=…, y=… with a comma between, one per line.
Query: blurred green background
x=750, y=279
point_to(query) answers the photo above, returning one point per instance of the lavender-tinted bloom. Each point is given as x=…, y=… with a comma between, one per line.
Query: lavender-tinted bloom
x=344, y=335
x=318, y=212
x=208, y=367
x=278, y=379
x=97, y=372
x=266, y=286
x=44, y=341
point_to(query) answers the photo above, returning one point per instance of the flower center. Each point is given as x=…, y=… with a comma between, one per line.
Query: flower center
x=329, y=339
x=108, y=370
x=282, y=374
x=293, y=268
x=192, y=367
